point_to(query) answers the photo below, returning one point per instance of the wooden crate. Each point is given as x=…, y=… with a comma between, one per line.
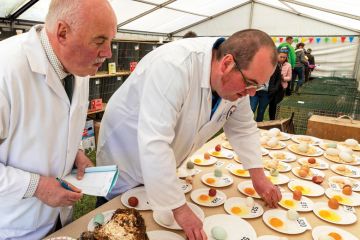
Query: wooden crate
x=338, y=129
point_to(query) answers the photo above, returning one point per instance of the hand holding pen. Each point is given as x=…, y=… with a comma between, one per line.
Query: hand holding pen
x=68, y=186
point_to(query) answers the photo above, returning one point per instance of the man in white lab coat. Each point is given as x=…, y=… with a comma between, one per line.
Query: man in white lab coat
x=41, y=123
x=179, y=96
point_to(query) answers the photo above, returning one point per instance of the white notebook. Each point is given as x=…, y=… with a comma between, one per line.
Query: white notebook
x=97, y=181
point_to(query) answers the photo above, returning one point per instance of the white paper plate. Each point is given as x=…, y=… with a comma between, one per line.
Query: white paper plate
x=281, y=137
x=237, y=158
x=186, y=187
x=238, y=170
x=175, y=226
x=319, y=164
x=227, y=145
x=283, y=156
x=242, y=186
x=337, y=159
x=312, y=152
x=288, y=227
x=224, y=181
x=353, y=200
x=343, y=216
x=319, y=231
x=304, y=205
x=307, y=188
x=235, y=227
x=199, y=160
x=107, y=216
x=163, y=235
x=282, y=166
x=340, y=181
x=312, y=172
x=224, y=153
x=140, y=194
x=280, y=145
x=215, y=201
x=280, y=179
x=312, y=140
x=245, y=211
x=353, y=172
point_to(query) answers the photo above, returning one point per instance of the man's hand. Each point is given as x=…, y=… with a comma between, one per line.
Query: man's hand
x=82, y=162
x=50, y=192
x=268, y=191
x=190, y=223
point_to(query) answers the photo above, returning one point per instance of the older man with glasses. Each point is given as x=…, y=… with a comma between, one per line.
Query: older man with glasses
x=177, y=98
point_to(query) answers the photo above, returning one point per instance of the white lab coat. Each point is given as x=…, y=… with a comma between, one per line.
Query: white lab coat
x=161, y=115
x=39, y=132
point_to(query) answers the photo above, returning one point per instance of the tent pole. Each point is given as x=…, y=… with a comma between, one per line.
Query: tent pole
x=356, y=66
x=251, y=14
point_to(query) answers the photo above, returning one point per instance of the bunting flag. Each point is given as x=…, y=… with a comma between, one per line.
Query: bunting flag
x=351, y=38
x=296, y=40
x=326, y=39
x=311, y=39
x=281, y=39
x=318, y=39
x=274, y=39
x=343, y=39
x=334, y=39
x=303, y=39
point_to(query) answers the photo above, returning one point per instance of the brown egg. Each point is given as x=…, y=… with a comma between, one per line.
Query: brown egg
x=347, y=190
x=317, y=179
x=133, y=201
x=312, y=160
x=212, y=192
x=302, y=173
x=333, y=203
x=297, y=195
x=206, y=156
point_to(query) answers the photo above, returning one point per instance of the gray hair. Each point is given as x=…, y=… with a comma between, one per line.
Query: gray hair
x=65, y=10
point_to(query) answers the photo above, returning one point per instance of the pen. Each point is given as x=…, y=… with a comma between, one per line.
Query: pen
x=64, y=184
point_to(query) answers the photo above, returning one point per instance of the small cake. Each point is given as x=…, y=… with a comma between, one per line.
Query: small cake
x=217, y=172
x=218, y=233
x=190, y=165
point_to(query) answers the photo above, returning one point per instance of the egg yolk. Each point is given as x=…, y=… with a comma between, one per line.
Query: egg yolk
x=276, y=222
x=236, y=210
x=210, y=180
x=197, y=160
x=289, y=203
x=249, y=191
x=215, y=153
x=329, y=215
x=302, y=189
x=241, y=171
x=335, y=236
x=204, y=198
x=338, y=198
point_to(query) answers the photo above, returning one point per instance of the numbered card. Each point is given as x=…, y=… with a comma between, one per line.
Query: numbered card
x=302, y=222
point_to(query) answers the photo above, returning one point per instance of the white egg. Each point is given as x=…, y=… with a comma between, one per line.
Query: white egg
x=325, y=237
x=250, y=202
x=292, y=214
x=345, y=156
x=264, y=139
x=351, y=142
x=273, y=132
x=332, y=151
x=166, y=217
x=273, y=142
x=303, y=147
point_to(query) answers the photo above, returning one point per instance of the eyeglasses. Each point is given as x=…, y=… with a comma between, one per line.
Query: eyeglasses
x=249, y=84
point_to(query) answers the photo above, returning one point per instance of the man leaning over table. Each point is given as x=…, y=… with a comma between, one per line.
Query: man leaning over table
x=43, y=110
x=179, y=96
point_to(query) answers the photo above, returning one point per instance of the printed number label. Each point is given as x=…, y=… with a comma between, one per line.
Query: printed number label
x=216, y=200
x=254, y=209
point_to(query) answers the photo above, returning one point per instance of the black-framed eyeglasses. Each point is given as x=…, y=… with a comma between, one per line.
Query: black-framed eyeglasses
x=249, y=84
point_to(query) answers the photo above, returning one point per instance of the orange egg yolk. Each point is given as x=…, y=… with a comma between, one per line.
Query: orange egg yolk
x=335, y=235
x=210, y=180
x=300, y=188
x=249, y=191
x=240, y=171
x=289, y=203
x=236, y=210
x=216, y=153
x=204, y=197
x=197, y=160
x=338, y=198
x=324, y=214
x=276, y=222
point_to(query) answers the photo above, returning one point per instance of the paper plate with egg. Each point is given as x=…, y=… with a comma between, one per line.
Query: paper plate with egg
x=320, y=232
x=166, y=218
x=337, y=216
x=186, y=187
x=100, y=219
x=140, y=194
x=238, y=170
x=306, y=139
x=338, y=182
x=278, y=165
x=344, y=170
x=277, y=180
x=276, y=146
x=325, y=146
x=227, y=145
x=201, y=196
x=211, y=180
x=310, y=151
x=307, y=188
x=282, y=156
x=223, y=226
x=278, y=220
x=307, y=176
x=201, y=161
x=342, y=157
x=304, y=205
x=247, y=188
x=282, y=136
x=352, y=144
x=223, y=153
x=352, y=200
x=243, y=207
x=163, y=235
x=313, y=162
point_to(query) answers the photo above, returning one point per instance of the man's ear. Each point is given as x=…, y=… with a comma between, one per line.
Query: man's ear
x=227, y=63
x=62, y=32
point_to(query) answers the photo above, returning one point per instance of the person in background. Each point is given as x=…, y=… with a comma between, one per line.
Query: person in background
x=190, y=34
x=178, y=97
x=291, y=55
x=311, y=66
x=259, y=102
x=283, y=73
x=299, y=69
x=43, y=106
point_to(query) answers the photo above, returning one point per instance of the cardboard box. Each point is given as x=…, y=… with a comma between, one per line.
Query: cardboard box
x=96, y=105
x=338, y=129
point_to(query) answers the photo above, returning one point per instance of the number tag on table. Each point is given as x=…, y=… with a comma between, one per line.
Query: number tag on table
x=219, y=163
x=303, y=223
x=230, y=166
x=254, y=209
x=335, y=186
x=349, y=209
x=304, y=205
x=216, y=200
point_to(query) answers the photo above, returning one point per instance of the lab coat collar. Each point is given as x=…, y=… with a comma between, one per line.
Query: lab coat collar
x=205, y=81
